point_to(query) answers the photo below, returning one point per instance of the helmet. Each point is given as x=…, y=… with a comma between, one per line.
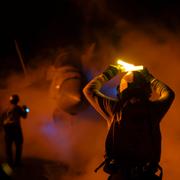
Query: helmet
x=134, y=84
x=14, y=99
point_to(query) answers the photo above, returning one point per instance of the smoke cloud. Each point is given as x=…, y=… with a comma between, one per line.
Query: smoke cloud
x=78, y=142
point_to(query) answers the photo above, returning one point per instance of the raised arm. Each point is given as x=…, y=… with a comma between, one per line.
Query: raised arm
x=102, y=103
x=165, y=94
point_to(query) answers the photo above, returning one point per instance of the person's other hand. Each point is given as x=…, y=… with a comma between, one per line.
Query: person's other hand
x=148, y=76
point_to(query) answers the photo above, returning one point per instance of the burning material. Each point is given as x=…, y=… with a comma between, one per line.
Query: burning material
x=124, y=66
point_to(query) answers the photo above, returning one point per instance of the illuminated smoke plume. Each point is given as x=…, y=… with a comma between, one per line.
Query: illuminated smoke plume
x=74, y=147
x=79, y=144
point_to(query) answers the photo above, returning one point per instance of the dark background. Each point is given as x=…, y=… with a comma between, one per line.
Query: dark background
x=39, y=25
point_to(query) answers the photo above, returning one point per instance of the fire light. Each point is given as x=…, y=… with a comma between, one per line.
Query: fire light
x=124, y=66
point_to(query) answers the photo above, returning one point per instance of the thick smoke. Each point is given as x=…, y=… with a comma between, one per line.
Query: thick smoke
x=77, y=146
x=79, y=143
x=65, y=150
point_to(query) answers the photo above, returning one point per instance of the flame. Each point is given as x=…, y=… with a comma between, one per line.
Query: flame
x=128, y=67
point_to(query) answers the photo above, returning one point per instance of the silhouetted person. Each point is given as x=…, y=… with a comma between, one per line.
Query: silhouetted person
x=133, y=142
x=11, y=119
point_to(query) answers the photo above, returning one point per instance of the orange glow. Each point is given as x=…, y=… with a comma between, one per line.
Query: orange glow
x=76, y=145
x=57, y=86
x=124, y=66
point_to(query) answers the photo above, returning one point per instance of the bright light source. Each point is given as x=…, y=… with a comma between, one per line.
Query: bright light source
x=128, y=67
x=57, y=86
x=27, y=110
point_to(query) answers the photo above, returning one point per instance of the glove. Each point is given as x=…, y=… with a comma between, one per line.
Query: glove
x=119, y=67
x=25, y=108
x=111, y=71
x=149, y=77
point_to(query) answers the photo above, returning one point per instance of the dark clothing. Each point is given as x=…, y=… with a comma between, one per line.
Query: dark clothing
x=144, y=176
x=133, y=171
x=134, y=136
x=13, y=132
